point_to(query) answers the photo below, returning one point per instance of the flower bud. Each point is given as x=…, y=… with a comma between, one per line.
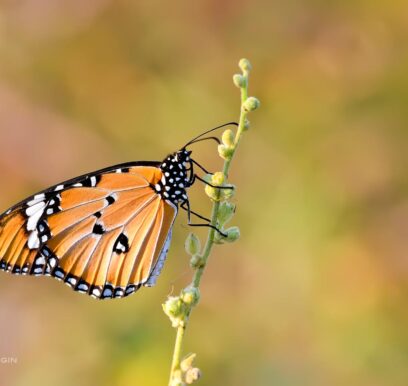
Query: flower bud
x=245, y=65
x=192, y=375
x=225, y=152
x=233, y=234
x=192, y=244
x=251, y=104
x=218, y=178
x=190, y=296
x=225, y=212
x=228, y=138
x=212, y=193
x=227, y=194
x=175, y=309
x=173, y=306
x=239, y=80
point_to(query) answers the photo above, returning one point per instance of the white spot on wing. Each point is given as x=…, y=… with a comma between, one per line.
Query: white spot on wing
x=33, y=240
x=33, y=219
x=34, y=201
x=40, y=261
x=121, y=247
x=96, y=292
x=34, y=208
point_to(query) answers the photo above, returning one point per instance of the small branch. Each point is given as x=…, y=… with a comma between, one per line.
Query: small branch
x=179, y=308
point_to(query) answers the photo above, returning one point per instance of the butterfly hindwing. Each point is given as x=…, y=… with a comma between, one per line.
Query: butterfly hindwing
x=104, y=234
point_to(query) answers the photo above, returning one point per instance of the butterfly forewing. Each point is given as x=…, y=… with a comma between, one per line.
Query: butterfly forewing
x=104, y=234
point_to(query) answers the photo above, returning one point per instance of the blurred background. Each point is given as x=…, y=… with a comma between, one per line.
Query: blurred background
x=315, y=292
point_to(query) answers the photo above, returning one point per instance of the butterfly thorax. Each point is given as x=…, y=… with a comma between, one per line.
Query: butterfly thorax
x=176, y=177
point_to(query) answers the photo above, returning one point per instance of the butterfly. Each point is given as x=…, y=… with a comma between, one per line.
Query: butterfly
x=105, y=233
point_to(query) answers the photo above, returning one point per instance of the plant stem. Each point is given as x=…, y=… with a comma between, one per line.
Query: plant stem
x=227, y=164
x=175, y=364
x=211, y=233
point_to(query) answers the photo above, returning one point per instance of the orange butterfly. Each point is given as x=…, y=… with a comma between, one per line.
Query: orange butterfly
x=105, y=233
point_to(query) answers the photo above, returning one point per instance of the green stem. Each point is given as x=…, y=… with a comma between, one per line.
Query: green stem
x=211, y=233
x=175, y=364
x=227, y=164
x=208, y=247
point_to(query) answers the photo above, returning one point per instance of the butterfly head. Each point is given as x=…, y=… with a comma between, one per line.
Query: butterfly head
x=176, y=176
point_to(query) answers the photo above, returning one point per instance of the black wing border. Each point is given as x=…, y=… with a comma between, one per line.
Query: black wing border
x=80, y=178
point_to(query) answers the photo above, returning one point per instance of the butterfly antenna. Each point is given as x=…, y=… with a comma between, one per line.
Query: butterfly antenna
x=209, y=131
x=206, y=139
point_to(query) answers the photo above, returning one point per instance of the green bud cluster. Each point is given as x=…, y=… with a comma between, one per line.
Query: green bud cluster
x=178, y=308
x=187, y=374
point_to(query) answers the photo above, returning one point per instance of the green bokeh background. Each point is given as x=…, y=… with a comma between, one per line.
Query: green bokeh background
x=315, y=292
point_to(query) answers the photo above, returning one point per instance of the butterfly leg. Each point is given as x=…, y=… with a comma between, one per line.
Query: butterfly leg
x=186, y=206
x=189, y=211
x=195, y=176
x=201, y=167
